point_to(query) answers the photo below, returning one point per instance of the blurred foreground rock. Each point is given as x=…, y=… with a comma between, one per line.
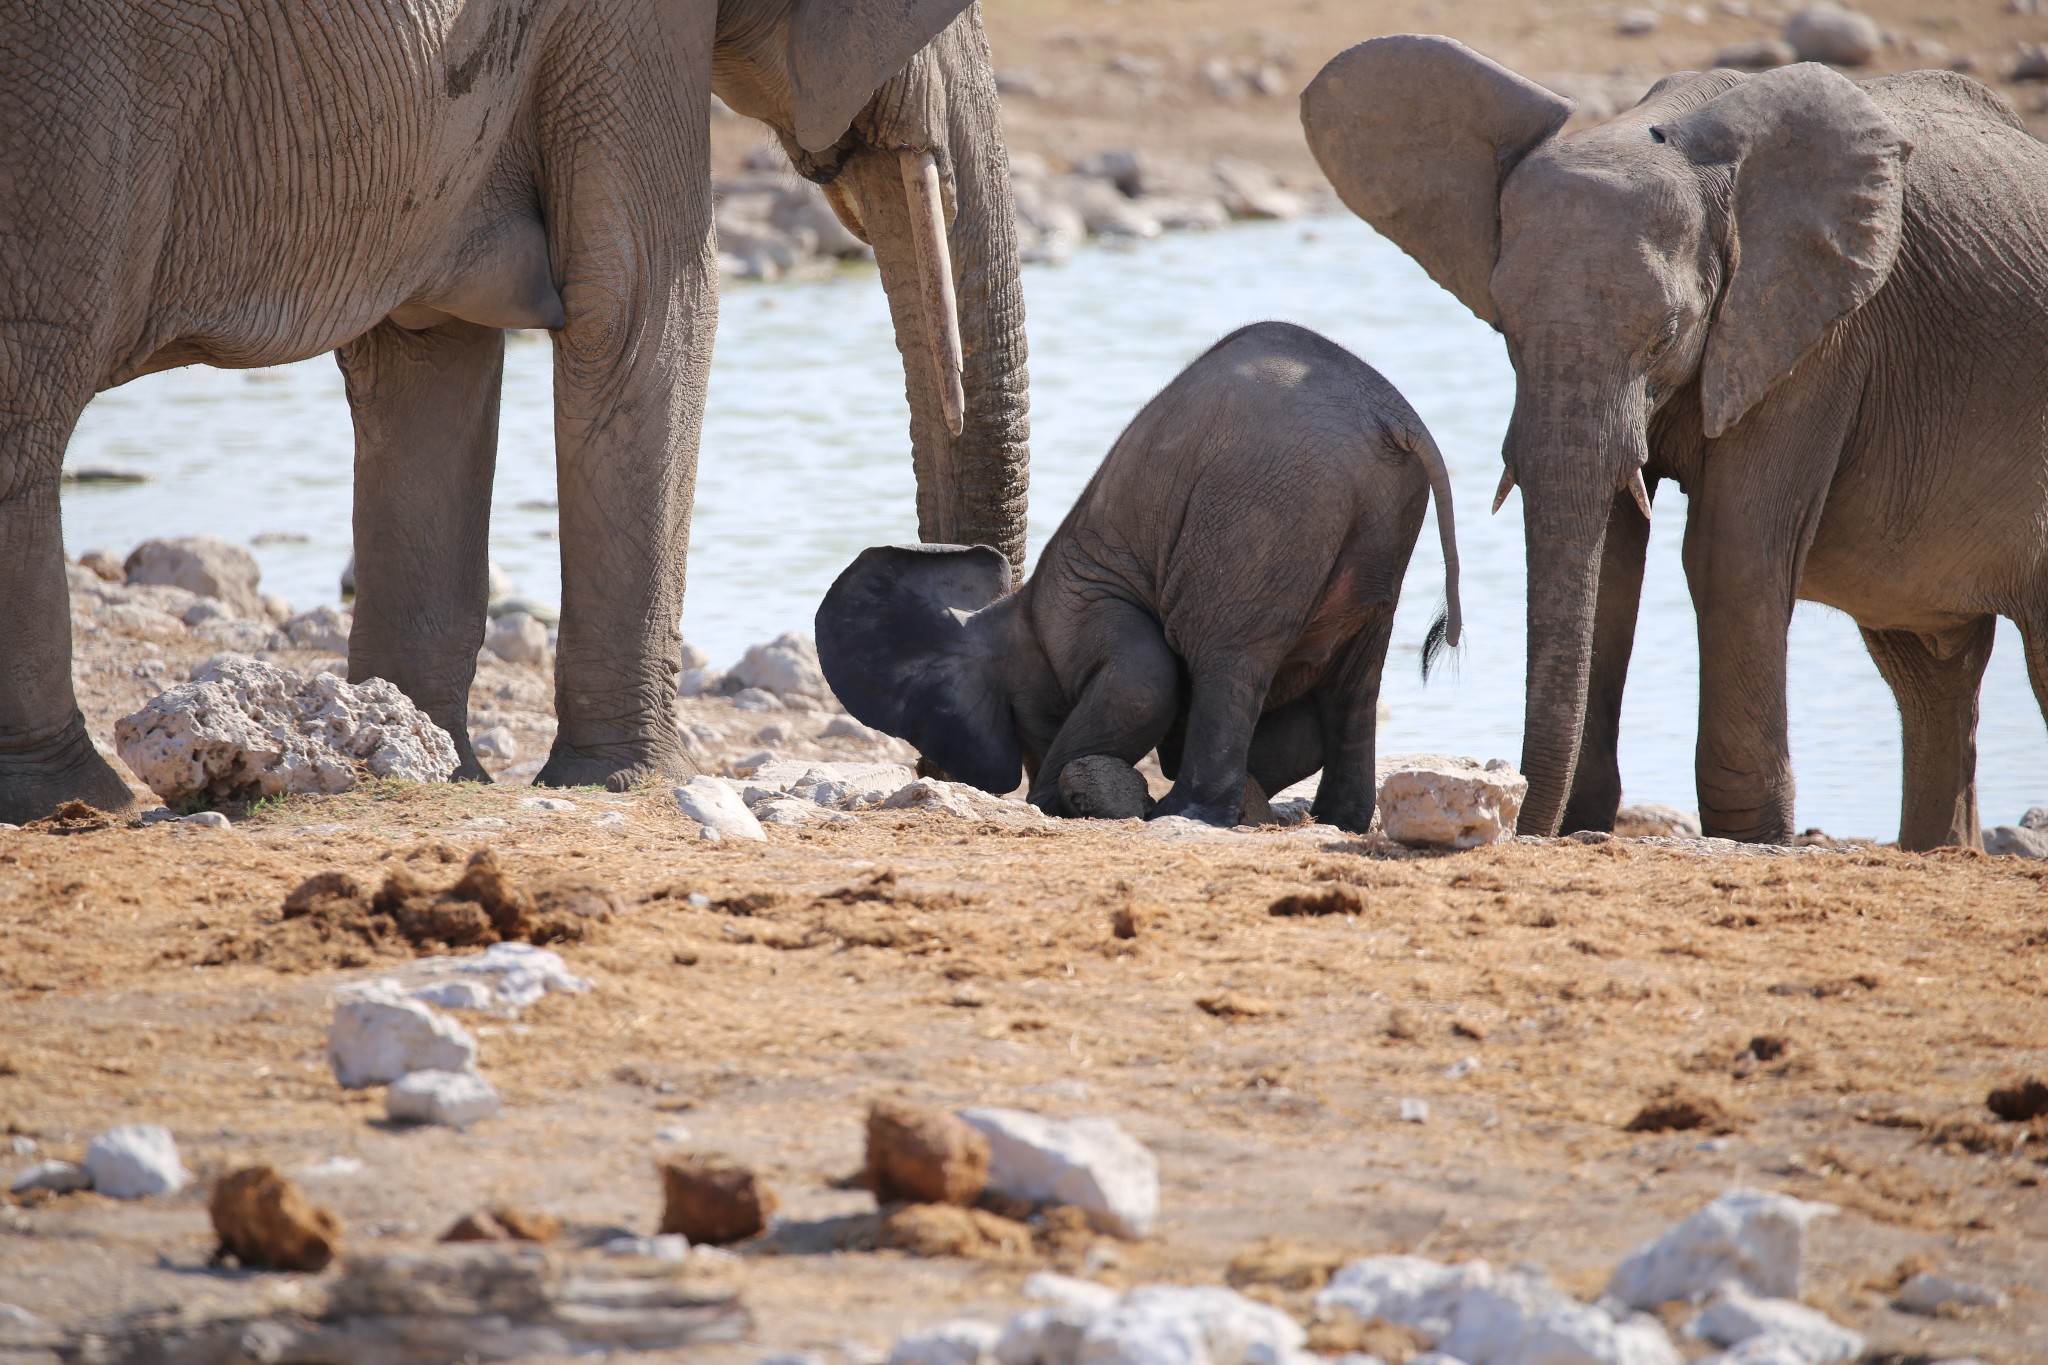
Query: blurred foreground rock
x=263, y=1221
x=244, y=729
x=428, y=1308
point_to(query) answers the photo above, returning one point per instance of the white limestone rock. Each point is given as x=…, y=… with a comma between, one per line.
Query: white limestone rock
x=1444, y=802
x=1753, y=1239
x=1161, y=1324
x=1408, y=1291
x=1654, y=820
x=135, y=1161
x=58, y=1177
x=1736, y=1317
x=787, y=666
x=325, y=628
x=1931, y=1294
x=243, y=729
x=716, y=807
x=204, y=565
x=509, y=976
x=1091, y=1164
x=519, y=638
x=2016, y=841
x=452, y=1099
x=378, y=1035
x=959, y=1342
x=1524, y=1319
x=931, y=794
x=496, y=744
x=1828, y=33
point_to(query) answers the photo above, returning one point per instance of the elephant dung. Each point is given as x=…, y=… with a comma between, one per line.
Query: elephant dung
x=708, y=1200
x=923, y=1156
x=244, y=729
x=1451, y=802
x=204, y=565
x=1099, y=787
x=264, y=1222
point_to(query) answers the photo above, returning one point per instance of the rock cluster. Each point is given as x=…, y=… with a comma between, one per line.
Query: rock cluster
x=2027, y=839
x=243, y=729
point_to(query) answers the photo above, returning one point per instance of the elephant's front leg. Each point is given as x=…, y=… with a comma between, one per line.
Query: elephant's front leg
x=426, y=416
x=628, y=206
x=1596, y=781
x=1124, y=708
x=1936, y=681
x=1746, y=539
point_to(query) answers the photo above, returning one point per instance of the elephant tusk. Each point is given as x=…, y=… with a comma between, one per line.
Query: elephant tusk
x=1638, y=491
x=935, y=276
x=1507, y=486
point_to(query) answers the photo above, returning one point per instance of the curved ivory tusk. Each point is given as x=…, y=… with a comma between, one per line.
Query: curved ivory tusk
x=1639, y=491
x=935, y=277
x=1507, y=486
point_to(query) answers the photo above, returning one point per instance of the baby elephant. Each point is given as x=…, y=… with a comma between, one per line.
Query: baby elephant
x=1223, y=591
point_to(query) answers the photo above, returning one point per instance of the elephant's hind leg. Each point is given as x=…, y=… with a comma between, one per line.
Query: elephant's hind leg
x=426, y=416
x=1936, y=682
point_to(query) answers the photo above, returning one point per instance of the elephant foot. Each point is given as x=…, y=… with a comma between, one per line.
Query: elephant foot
x=35, y=782
x=618, y=768
x=1353, y=817
x=469, y=770
x=1224, y=814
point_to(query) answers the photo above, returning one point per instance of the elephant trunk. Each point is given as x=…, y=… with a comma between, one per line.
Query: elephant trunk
x=1568, y=464
x=968, y=386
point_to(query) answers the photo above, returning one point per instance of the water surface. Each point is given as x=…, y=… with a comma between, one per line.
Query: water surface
x=805, y=461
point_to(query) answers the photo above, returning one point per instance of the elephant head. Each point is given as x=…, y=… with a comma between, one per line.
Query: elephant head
x=891, y=106
x=919, y=641
x=1690, y=251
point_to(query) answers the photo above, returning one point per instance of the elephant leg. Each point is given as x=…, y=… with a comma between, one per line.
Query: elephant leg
x=1125, y=708
x=1936, y=682
x=46, y=757
x=1347, y=703
x=2034, y=634
x=426, y=418
x=1224, y=704
x=1596, y=781
x=1287, y=746
x=627, y=201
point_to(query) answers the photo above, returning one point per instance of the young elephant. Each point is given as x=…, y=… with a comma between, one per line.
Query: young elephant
x=1223, y=591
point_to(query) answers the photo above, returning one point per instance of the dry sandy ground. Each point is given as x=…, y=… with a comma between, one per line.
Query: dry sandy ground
x=145, y=975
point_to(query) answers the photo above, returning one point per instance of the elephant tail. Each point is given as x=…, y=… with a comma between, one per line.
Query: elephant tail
x=1449, y=627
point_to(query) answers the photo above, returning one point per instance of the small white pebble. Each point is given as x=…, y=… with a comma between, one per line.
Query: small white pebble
x=1414, y=1111
x=551, y=803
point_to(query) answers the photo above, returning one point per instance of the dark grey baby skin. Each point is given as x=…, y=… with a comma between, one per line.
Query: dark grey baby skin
x=1223, y=591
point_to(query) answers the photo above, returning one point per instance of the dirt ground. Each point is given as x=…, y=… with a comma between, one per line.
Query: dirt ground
x=1831, y=1020
x=1537, y=996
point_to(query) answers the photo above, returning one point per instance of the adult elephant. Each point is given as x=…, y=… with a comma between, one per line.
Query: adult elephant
x=399, y=180
x=1820, y=306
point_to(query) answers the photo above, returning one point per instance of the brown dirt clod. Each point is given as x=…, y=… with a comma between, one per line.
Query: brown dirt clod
x=1334, y=900
x=1345, y=1334
x=923, y=1156
x=1684, y=1113
x=710, y=1200
x=504, y=1224
x=2020, y=1102
x=1285, y=1264
x=1769, y=1047
x=264, y=1222
x=1234, y=1005
x=947, y=1230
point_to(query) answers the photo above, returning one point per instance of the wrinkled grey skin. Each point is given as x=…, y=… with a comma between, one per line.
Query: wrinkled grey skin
x=1821, y=307
x=399, y=181
x=1224, y=591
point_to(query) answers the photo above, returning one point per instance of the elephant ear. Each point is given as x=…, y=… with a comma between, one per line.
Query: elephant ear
x=842, y=51
x=1818, y=209
x=901, y=645
x=1417, y=133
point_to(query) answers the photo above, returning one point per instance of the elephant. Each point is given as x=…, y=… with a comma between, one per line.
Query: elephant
x=1223, y=590
x=1819, y=306
x=399, y=182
